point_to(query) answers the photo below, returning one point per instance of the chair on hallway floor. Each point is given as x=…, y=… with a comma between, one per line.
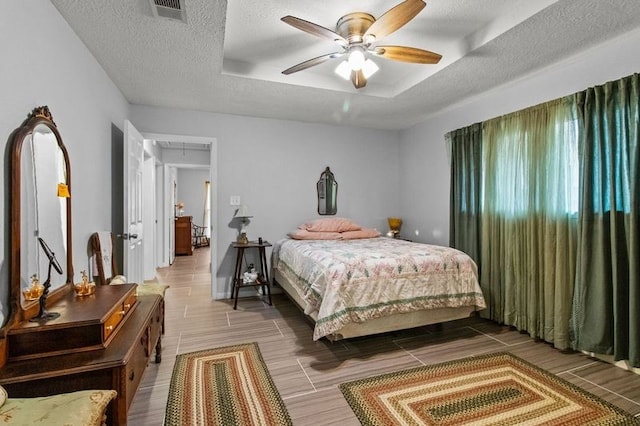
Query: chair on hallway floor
x=198, y=236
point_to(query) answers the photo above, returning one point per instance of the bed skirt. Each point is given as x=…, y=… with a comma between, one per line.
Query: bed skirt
x=381, y=325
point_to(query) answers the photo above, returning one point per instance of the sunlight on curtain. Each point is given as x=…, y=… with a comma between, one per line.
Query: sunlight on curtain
x=607, y=299
x=528, y=204
x=206, y=216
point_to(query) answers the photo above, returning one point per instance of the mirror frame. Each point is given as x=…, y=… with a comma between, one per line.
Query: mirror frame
x=327, y=188
x=20, y=311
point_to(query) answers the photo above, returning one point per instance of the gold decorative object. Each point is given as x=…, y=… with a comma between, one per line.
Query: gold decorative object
x=42, y=112
x=35, y=290
x=395, y=223
x=242, y=239
x=243, y=214
x=84, y=288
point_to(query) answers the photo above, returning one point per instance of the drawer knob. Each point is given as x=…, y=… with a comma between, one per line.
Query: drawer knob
x=127, y=305
x=109, y=328
x=123, y=312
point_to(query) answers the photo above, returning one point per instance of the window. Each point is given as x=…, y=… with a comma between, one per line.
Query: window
x=530, y=162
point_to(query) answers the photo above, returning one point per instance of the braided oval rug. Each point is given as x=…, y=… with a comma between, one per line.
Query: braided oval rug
x=224, y=386
x=489, y=389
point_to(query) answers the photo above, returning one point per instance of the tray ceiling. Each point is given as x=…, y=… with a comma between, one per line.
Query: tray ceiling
x=228, y=56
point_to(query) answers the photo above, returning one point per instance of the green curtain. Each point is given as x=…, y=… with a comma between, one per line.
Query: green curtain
x=528, y=225
x=607, y=298
x=466, y=167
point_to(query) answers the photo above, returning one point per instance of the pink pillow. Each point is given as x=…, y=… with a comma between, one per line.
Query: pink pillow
x=303, y=234
x=361, y=233
x=330, y=224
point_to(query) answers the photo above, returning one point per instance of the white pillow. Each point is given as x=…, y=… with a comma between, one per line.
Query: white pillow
x=118, y=279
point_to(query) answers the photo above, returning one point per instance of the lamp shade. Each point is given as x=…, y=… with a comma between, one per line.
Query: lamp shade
x=356, y=58
x=344, y=70
x=243, y=211
x=369, y=68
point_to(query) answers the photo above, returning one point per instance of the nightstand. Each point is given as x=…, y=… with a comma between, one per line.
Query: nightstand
x=237, y=276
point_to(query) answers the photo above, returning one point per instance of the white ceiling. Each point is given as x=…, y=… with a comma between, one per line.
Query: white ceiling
x=228, y=57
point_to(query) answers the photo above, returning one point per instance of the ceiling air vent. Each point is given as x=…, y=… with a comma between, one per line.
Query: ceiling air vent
x=170, y=9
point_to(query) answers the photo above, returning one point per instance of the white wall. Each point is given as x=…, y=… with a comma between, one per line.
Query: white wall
x=44, y=63
x=273, y=165
x=424, y=158
x=191, y=191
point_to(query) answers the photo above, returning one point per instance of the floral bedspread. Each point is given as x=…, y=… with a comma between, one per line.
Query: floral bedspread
x=357, y=280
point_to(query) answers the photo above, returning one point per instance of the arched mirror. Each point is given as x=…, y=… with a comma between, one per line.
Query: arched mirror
x=40, y=213
x=327, y=193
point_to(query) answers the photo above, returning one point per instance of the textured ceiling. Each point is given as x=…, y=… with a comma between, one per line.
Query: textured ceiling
x=228, y=57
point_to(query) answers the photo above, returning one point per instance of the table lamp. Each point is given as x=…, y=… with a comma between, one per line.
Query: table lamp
x=243, y=214
x=395, y=223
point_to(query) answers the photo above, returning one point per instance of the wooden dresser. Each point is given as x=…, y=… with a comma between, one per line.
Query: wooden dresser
x=184, y=243
x=110, y=338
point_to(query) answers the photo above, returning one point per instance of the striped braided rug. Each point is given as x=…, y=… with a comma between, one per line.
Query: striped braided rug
x=224, y=386
x=489, y=389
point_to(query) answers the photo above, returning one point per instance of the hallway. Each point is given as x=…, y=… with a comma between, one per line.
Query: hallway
x=188, y=311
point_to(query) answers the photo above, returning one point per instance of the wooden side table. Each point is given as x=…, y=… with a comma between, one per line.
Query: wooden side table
x=238, y=282
x=183, y=240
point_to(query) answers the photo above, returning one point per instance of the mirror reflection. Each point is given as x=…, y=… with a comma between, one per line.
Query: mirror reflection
x=327, y=193
x=43, y=209
x=40, y=218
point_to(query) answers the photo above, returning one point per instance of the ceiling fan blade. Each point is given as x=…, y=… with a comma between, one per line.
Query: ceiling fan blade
x=312, y=62
x=407, y=54
x=358, y=79
x=315, y=29
x=395, y=18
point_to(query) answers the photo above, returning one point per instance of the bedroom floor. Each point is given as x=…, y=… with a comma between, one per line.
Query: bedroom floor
x=307, y=373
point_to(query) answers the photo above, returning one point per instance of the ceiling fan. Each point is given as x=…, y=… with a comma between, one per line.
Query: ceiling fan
x=357, y=35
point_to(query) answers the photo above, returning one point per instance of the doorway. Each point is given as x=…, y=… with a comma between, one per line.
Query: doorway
x=173, y=154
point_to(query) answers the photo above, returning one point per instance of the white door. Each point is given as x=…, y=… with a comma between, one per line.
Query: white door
x=133, y=256
x=149, y=216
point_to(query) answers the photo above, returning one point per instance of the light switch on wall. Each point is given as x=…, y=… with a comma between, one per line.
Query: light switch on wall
x=235, y=200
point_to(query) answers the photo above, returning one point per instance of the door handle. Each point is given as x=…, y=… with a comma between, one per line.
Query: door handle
x=127, y=236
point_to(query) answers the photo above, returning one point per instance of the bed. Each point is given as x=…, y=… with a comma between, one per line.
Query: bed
x=358, y=287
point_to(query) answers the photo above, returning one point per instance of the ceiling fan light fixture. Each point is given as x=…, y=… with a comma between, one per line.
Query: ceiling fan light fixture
x=369, y=68
x=344, y=70
x=356, y=58
x=369, y=39
x=357, y=34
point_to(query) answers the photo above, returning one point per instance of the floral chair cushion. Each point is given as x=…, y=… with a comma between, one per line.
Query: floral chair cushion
x=81, y=408
x=3, y=396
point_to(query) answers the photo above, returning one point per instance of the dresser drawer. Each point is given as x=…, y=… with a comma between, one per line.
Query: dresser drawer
x=129, y=303
x=117, y=315
x=112, y=323
x=134, y=370
x=85, y=324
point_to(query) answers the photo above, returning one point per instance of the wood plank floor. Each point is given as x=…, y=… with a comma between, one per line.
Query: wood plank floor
x=307, y=373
